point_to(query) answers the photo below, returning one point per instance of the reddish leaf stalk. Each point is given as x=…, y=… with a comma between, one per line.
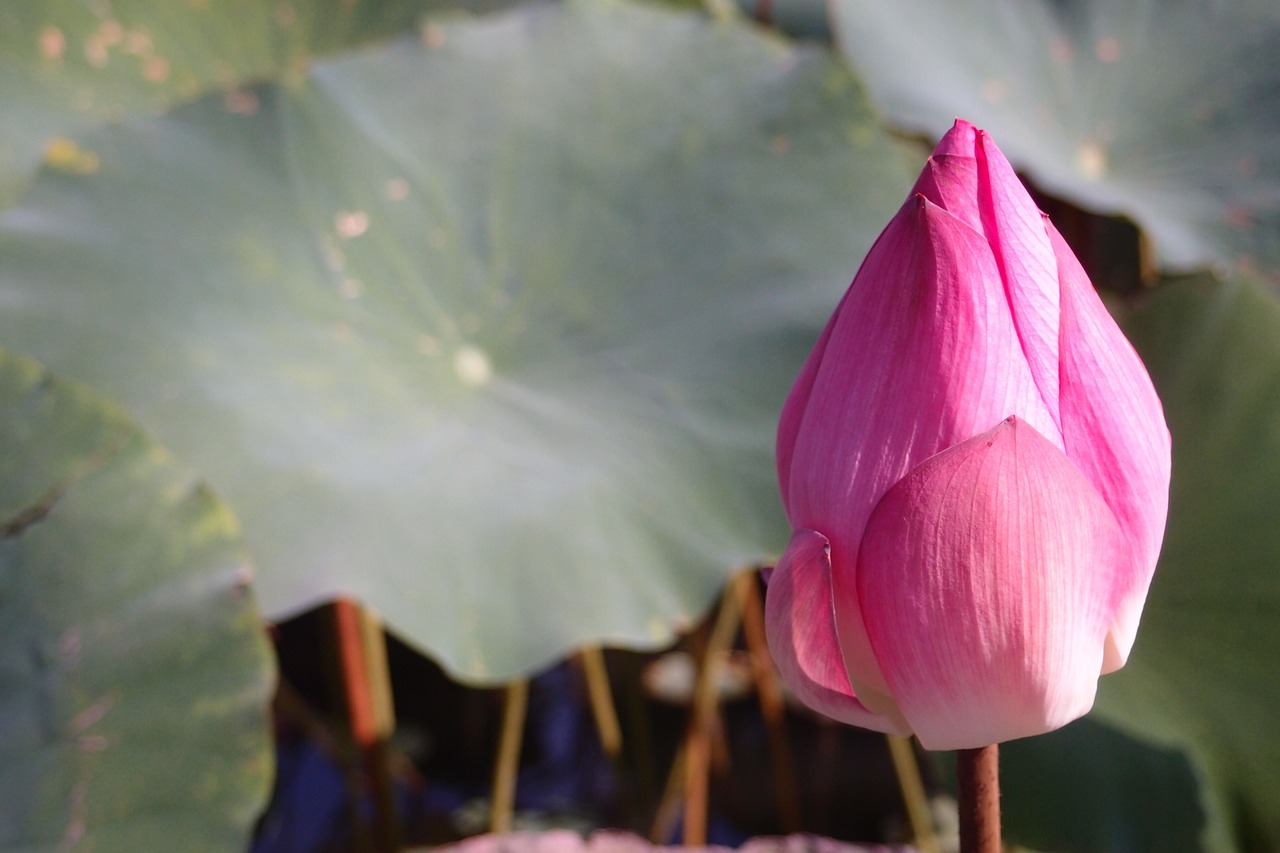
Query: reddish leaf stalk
x=366, y=686
x=978, y=783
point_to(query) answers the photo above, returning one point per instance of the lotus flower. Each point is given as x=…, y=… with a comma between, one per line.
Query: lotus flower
x=976, y=468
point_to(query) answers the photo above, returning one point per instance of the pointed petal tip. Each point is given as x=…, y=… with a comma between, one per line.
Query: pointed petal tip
x=956, y=142
x=963, y=133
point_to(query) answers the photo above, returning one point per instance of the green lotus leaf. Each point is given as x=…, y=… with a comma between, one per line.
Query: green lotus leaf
x=1162, y=111
x=489, y=329
x=1089, y=787
x=67, y=65
x=1202, y=675
x=134, y=673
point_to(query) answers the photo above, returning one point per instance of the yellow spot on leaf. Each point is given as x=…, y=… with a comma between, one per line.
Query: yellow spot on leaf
x=155, y=69
x=1091, y=160
x=1107, y=49
x=397, y=189
x=52, y=43
x=472, y=366
x=433, y=35
x=351, y=223
x=64, y=155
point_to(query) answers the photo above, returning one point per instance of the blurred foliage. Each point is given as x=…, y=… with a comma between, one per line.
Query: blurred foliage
x=486, y=318
x=1163, y=111
x=134, y=670
x=67, y=65
x=1203, y=672
x=484, y=348
x=1109, y=792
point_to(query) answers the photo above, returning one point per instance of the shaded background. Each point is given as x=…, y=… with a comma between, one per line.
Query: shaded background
x=482, y=315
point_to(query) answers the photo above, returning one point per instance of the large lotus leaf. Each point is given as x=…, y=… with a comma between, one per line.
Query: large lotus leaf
x=69, y=64
x=1088, y=787
x=489, y=329
x=134, y=673
x=1203, y=671
x=1164, y=110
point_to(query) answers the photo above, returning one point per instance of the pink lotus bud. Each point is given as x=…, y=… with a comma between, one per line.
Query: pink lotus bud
x=977, y=470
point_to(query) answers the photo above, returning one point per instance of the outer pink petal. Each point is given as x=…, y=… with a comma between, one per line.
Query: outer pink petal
x=802, y=638
x=969, y=176
x=921, y=355
x=794, y=408
x=1012, y=223
x=1114, y=430
x=986, y=584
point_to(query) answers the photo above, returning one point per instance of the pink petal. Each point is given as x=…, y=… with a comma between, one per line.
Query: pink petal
x=802, y=637
x=921, y=354
x=969, y=176
x=986, y=583
x=1012, y=223
x=1114, y=430
x=959, y=140
x=797, y=402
